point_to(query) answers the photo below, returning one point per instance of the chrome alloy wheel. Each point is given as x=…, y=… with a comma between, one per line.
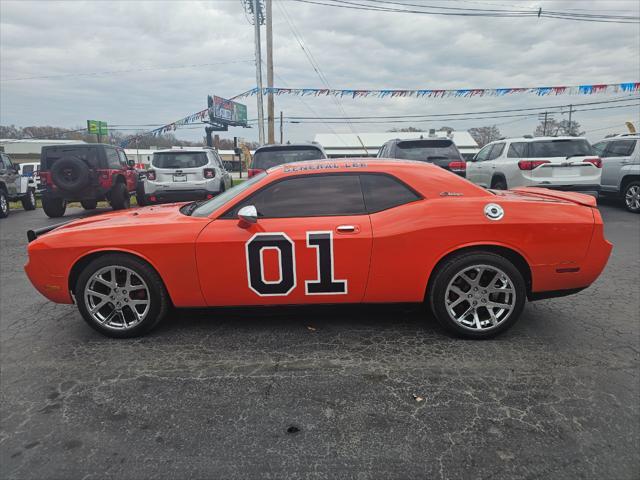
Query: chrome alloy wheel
x=117, y=297
x=480, y=297
x=4, y=204
x=632, y=197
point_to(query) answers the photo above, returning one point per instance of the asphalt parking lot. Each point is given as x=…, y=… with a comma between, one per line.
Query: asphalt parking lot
x=325, y=393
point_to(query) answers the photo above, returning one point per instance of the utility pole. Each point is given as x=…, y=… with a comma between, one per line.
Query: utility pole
x=281, y=130
x=270, y=106
x=544, y=128
x=570, y=112
x=256, y=22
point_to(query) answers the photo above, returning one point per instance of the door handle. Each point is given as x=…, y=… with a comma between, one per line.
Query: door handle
x=347, y=229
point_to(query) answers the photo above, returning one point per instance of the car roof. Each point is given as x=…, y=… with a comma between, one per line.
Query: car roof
x=536, y=139
x=281, y=146
x=184, y=149
x=625, y=136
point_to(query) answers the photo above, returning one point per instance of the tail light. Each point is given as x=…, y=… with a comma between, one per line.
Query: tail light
x=458, y=166
x=253, y=171
x=151, y=175
x=209, y=173
x=531, y=164
x=44, y=178
x=595, y=161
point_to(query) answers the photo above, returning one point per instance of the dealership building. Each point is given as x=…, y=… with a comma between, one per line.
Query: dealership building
x=367, y=144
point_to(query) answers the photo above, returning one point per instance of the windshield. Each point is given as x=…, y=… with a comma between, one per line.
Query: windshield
x=179, y=159
x=559, y=148
x=271, y=157
x=423, y=149
x=212, y=205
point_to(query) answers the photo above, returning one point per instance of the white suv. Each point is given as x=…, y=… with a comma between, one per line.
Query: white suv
x=563, y=163
x=184, y=174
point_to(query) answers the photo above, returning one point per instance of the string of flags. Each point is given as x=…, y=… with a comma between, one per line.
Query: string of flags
x=589, y=89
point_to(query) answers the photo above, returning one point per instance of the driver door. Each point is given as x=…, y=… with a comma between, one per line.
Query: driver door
x=9, y=174
x=310, y=244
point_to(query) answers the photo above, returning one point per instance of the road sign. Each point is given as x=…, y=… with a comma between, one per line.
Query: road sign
x=97, y=127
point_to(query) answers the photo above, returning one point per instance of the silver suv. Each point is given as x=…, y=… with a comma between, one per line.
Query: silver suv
x=184, y=174
x=563, y=163
x=621, y=168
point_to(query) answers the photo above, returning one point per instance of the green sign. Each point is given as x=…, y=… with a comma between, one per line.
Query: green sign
x=97, y=127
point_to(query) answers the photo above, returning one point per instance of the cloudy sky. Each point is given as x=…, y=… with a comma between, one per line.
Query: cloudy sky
x=152, y=62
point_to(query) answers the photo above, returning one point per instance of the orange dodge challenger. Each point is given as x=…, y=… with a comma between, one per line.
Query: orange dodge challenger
x=343, y=231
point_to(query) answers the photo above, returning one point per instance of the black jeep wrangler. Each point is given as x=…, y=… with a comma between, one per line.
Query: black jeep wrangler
x=85, y=173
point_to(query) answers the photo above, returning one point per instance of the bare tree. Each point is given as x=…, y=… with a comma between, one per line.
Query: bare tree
x=406, y=129
x=555, y=128
x=484, y=135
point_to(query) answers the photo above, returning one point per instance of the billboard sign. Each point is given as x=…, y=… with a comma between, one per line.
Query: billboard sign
x=227, y=111
x=97, y=127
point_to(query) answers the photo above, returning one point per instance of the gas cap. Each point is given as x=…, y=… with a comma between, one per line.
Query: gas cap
x=493, y=211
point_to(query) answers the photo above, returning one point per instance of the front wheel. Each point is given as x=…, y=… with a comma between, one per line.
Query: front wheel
x=29, y=200
x=54, y=207
x=119, y=197
x=631, y=196
x=121, y=296
x=89, y=204
x=4, y=204
x=477, y=294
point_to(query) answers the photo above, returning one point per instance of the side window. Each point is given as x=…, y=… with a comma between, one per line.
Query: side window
x=484, y=153
x=496, y=151
x=599, y=148
x=123, y=158
x=7, y=161
x=382, y=192
x=27, y=170
x=517, y=150
x=113, y=160
x=308, y=196
x=620, y=148
x=2, y=164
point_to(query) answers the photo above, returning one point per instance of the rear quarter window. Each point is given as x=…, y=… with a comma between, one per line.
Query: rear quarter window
x=382, y=192
x=559, y=148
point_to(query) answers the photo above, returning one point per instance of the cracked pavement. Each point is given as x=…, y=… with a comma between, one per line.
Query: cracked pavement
x=255, y=393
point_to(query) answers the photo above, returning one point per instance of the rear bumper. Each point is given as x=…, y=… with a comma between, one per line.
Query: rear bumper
x=573, y=188
x=178, y=195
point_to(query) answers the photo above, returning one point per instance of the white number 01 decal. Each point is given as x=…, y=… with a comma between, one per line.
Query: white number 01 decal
x=322, y=242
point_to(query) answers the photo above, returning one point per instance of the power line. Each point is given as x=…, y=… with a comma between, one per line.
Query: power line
x=113, y=72
x=390, y=6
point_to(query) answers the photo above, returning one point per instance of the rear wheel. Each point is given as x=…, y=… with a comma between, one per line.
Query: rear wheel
x=119, y=197
x=29, y=200
x=499, y=184
x=477, y=294
x=54, y=207
x=121, y=296
x=4, y=204
x=631, y=196
x=89, y=204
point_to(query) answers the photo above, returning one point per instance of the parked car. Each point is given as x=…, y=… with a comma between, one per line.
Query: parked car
x=562, y=163
x=190, y=173
x=14, y=187
x=345, y=231
x=621, y=169
x=439, y=151
x=269, y=156
x=30, y=173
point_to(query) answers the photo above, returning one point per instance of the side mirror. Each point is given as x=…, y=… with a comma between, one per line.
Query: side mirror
x=248, y=214
x=131, y=163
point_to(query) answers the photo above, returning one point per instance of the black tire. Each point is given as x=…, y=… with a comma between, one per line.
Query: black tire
x=119, y=197
x=70, y=174
x=89, y=204
x=158, y=296
x=141, y=200
x=29, y=200
x=629, y=196
x=499, y=184
x=54, y=207
x=448, y=270
x=4, y=204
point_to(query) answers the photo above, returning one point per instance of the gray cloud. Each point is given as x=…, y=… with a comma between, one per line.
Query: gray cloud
x=354, y=49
